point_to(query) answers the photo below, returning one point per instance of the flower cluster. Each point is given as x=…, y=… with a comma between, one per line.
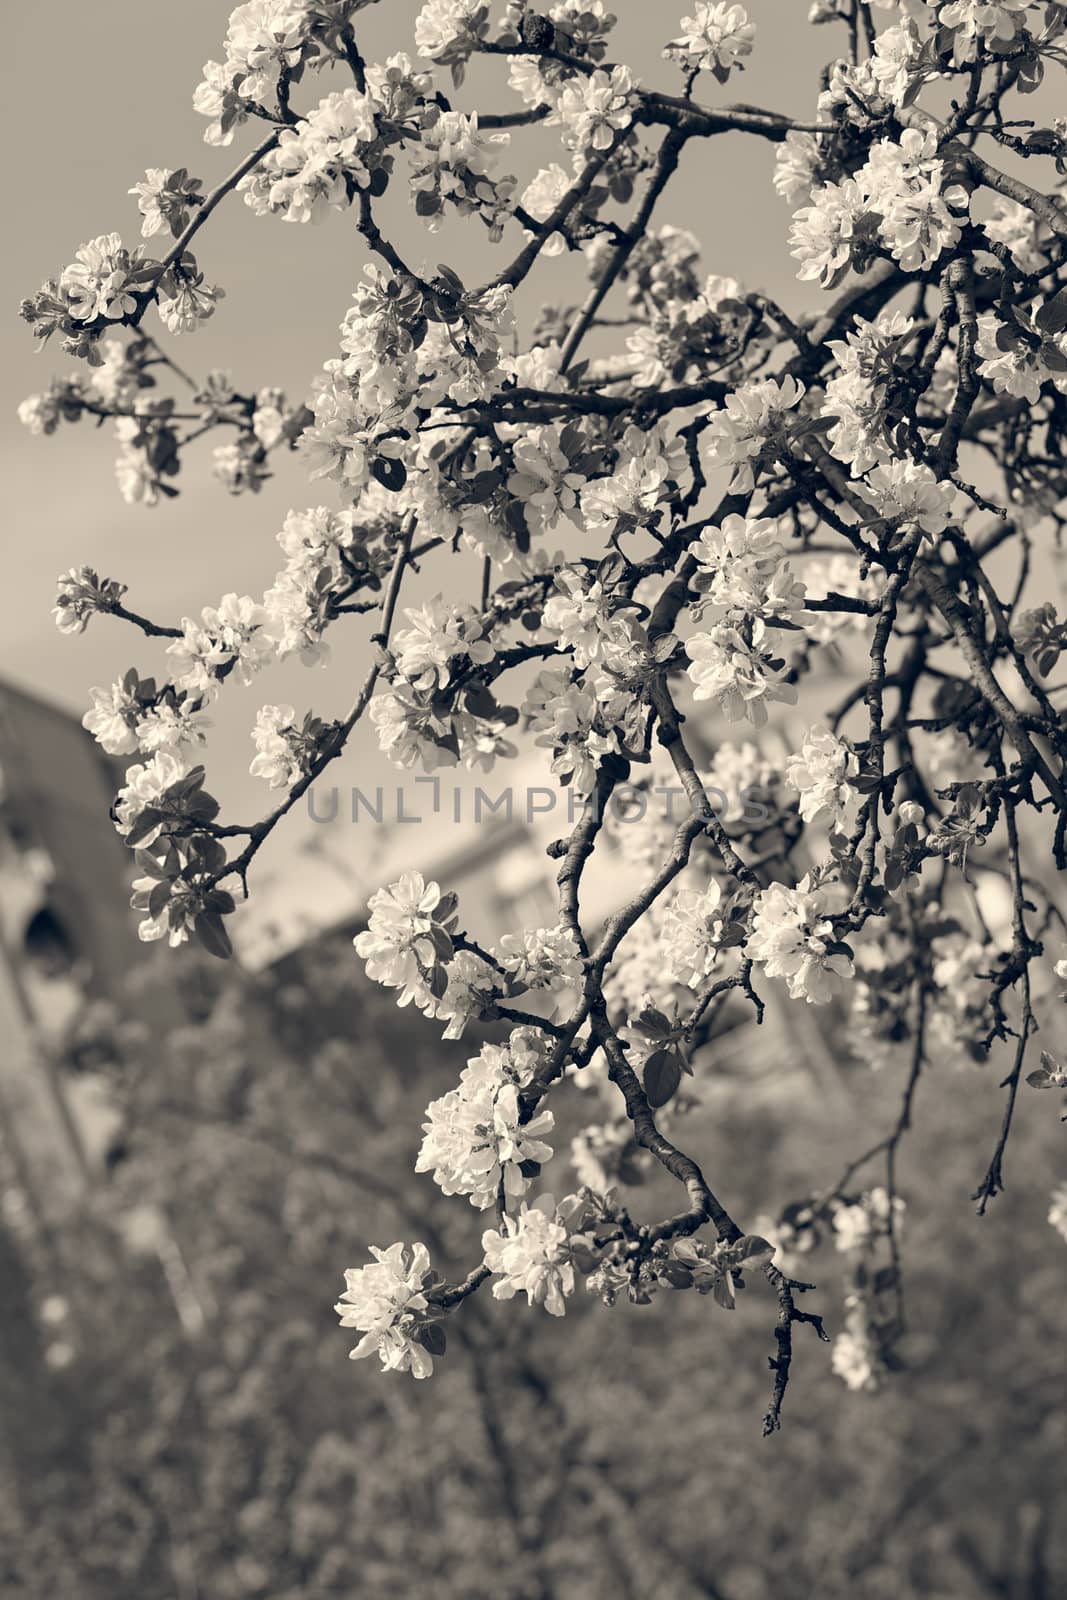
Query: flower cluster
x=230, y=637
x=542, y=958
x=823, y=773
x=316, y=167
x=750, y=424
x=716, y=38
x=792, y=938
x=530, y=1254
x=898, y=202
x=692, y=933
x=387, y=1304
x=475, y=1141
x=407, y=937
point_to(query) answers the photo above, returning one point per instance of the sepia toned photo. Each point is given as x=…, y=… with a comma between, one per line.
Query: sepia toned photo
x=533, y=801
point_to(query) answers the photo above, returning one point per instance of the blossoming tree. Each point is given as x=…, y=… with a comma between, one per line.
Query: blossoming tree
x=746, y=494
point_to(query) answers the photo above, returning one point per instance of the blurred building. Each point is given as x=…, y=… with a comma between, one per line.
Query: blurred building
x=67, y=941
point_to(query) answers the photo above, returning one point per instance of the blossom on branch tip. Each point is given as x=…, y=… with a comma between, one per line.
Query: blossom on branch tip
x=475, y=1141
x=742, y=565
x=793, y=939
x=595, y=109
x=386, y=1302
x=731, y=666
x=820, y=772
x=230, y=637
x=909, y=492
x=165, y=200
x=80, y=594
x=542, y=958
x=448, y=30
x=692, y=934
x=717, y=37
x=530, y=1254
x=405, y=936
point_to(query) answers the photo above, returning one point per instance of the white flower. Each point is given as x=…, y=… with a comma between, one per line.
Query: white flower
x=735, y=671
x=167, y=726
x=594, y=108
x=541, y=197
x=474, y=1142
x=692, y=933
x=240, y=466
x=311, y=167
x=410, y=733
x=796, y=168
x=387, y=1304
x=229, y=637
x=40, y=413
x=164, y=200
x=531, y=1255
x=79, y=595
x=648, y=464
x=823, y=231
x=857, y=397
x=398, y=944
x=856, y=1226
x=192, y=303
x=112, y=720
x=580, y=612
x=751, y=418
x=715, y=38
x=542, y=478
x=895, y=63
x=908, y=491
x=96, y=280
x=448, y=29
x=1019, y=357
x=567, y=718
x=542, y=958
x=990, y=23
x=791, y=937
x=820, y=773
x=145, y=785
x=854, y=1359
x=743, y=565
x=472, y=983
x=276, y=760
x=439, y=636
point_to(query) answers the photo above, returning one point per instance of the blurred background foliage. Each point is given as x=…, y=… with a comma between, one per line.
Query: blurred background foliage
x=190, y=1429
